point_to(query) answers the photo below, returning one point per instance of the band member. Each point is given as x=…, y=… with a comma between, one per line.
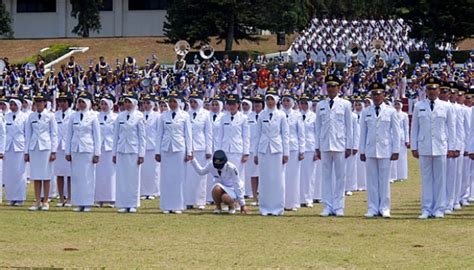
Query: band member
x=150, y=172
x=379, y=144
x=202, y=136
x=41, y=143
x=105, y=174
x=272, y=148
x=173, y=150
x=333, y=145
x=14, y=174
x=432, y=128
x=62, y=168
x=83, y=151
x=308, y=163
x=128, y=154
x=228, y=187
x=297, y=150
x=233, y=134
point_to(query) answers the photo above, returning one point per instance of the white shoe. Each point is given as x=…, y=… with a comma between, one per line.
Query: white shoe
x=339, y=213
x=151, y=197
x=348, y=193
x=457, y=207
x=132, y=210
x=254, y=204
x=87, y=209
x=423, y=216
x=369, y=215
x=294, y=209
x=201, y=207
x=45, y=207
x=325, y=213
x=470, y=200
x=166, y=212
x=439, y=215
x=217, y=211
x=67, y=205
x=232, y=211
x=77, y=209
x=309, y=205
x=448, y=212
x=465, y=203
x=178, y=212
x=35, y=208
x=122, y=210
x=386, y=214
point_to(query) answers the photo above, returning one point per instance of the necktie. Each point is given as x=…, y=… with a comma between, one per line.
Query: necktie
x=304, y=117
x=64, y=115
x=358, y=116
x=232, y=118
x=194, y=115
x=219, y=172
x=331, y=102
x=271, y=115
x=377, y=109
x=214, y=117
x=146, y=117
x=256, y=117
x=432, y=105
x=14, y=117
x=39, y=116
x=173, y=115
x=105, y=118
x=82, y=116
x=128, y=116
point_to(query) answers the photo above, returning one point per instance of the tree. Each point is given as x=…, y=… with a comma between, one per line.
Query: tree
x=5, y=22
x=438, y=21
x=88, y=16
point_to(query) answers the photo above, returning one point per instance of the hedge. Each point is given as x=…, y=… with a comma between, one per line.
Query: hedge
x=55, y=51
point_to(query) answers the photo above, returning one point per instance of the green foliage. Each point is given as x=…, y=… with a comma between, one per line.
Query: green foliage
x=88, y=17
x=5, y=22
x=55, y=51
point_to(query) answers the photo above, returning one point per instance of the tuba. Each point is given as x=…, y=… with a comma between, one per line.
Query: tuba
x=182, y=48
x=377, y=46
x=206, y=52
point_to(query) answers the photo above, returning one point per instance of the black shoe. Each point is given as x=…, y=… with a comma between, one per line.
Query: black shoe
x=316, y=201
x=189, y=207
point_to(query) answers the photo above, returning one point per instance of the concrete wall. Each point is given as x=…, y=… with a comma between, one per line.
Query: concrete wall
x=59, y=24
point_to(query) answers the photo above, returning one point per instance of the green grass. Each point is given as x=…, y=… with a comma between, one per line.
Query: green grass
x=198, y=239
x=55, y=51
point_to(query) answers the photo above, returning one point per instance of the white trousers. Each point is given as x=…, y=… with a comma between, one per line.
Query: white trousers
x=378, y=185
x=318, y=179
x=195, y=184
x=466, y=180
x=450, y=184
x=361, y=174
x=271, y=183
x=351, y=173
x=333, y=180
x=307, y=178
x=150, y=175
x=292, y=181
x=82, y=179
x=459, y=179
x=128, y=181
x=433, y=184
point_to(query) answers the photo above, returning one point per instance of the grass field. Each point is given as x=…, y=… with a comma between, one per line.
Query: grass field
x=199, y=239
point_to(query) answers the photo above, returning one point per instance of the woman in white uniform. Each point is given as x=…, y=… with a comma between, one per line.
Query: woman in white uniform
x=217, y=105
x=41, y=143
x=105, y=169
x=297, y=150
x=13, y=160
x=272, y=148
x=2, y=152
x=308, y=164
x=128, y=154
x=402, y=162
x=233, y=134
x=83, y=151
x=173, y=150
x=202, y=136
x=62, y=168
x=150, y=172
x=251, y=169
x=361, y=172
x=317, y=180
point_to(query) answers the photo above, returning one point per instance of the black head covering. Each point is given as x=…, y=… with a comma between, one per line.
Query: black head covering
x=219, y=159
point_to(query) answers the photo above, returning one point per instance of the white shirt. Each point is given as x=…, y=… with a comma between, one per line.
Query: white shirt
x=62, y=123
x=202, y=131
x=107, y=123
x=174, y=134
x=129, y=134
x=272, y=133
x=309, y=122
x=233, y=134
x=15, y=131
x=151, y=128
x=83, y=136
x=41, y=131
x=296, y=130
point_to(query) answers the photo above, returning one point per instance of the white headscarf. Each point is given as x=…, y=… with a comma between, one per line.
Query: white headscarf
x=287, y=111
x=30, y=106
x=17, y=102
x=87, y=102
x=200, y=103
x=134, y=102
x=250, y=105
x=109, y=103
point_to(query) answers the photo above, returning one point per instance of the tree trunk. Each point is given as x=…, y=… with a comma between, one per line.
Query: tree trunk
x=229, y=39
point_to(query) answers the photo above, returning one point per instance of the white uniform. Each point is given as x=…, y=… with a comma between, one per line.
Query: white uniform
x=202, y=135
x=293, y=167
x=452, y=163
x=470, y=149
x=271, y=145
x=150, y=172
x=379, y=139
x=351, y=170
x=465, y=122
x=2, y=151
x=15, y=174
x=432, y=135
x=308, y=164
x=467, y=163
x=105, y=170
x=215, y=120
x=402, y=162
x=129, y=145
x=83, y=143
x=334, y=134
x=233, y=137
x=61, y=166
x=173, y=143
x=40, y=141
x=360, y=166
x=251, y=169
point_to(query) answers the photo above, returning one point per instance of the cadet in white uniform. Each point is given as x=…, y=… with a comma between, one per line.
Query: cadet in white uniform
x=308, y=163
x=297, y=151
x=247, y=110
x=228, y=187
x=402, y=162
x=62, y=168
x=150, y=172
x=83, y=151
x=217, y=104
x=13, y=160
x=233, y=135
x=432, y=138
x=41, y=143
x=334, y=137
x=173, y=150
x=351, y=169
x=466, y=173
x=251, y=169
x=272, y=148
x=2, y=152
x=105, y=174
x=202, y=135
x=379, y=144
x=128, y=154
x=360, y=166
x=318, y=175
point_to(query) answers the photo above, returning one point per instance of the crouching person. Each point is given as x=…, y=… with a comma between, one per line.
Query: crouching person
x=228, y=187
